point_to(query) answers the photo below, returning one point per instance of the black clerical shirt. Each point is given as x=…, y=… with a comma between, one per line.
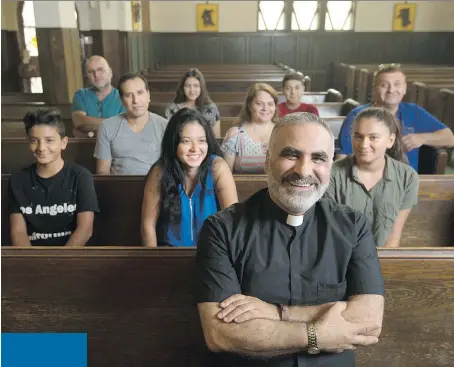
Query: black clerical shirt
x=248, y=248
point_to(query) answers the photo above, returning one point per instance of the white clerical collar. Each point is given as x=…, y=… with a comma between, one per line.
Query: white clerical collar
x=295, y=220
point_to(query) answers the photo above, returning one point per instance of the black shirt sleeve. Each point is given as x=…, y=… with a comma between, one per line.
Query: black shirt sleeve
x=13, y=205
x=87, y=201
x=216, y=278
x=364, y=271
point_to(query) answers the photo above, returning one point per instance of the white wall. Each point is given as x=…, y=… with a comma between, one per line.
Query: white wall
x=180, y=16
x=55, y=14
x=105, y=15
x=431, y=16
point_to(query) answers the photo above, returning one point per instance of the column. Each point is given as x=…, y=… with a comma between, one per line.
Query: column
x=59, y=50
x=11, y=60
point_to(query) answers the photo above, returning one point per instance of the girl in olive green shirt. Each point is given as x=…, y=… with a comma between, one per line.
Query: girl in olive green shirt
x=377, y=180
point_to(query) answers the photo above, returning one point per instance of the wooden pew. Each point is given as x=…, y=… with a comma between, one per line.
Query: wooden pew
x=16, y=129
x=16, y=110
x=209, y=67
x=446, y=106
x=216, y=85
x=120, y=201
x=8, y=97
x=232, y=109
x=15, y=153
x=137, y=305
x=331, y=95
x=335, y=123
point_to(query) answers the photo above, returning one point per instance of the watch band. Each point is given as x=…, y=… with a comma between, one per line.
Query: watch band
x=285, y=314
x=312, y=346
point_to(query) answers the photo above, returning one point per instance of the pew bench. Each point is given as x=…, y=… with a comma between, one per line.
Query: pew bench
x=138, y=308
x=120, y=201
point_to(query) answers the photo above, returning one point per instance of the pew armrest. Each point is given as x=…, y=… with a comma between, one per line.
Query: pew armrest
x=432, y=161
x=333, y=95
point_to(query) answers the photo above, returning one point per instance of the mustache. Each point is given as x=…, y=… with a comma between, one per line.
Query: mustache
x=296, y=179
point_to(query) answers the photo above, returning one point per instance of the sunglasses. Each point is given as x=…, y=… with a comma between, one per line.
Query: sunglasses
x=385, y=66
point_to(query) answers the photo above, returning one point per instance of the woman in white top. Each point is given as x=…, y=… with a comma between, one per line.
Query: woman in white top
x=245, y=145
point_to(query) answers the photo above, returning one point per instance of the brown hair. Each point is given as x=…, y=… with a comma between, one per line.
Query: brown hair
x=387, y=68
x=293, y=76
x=203, y=100
x=245, y=113
x=386, y=118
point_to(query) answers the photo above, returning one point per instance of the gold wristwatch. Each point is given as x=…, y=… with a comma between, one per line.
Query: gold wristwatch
x=312, y=347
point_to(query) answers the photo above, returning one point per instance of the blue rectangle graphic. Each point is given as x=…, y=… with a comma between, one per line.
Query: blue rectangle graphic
x=44, y=350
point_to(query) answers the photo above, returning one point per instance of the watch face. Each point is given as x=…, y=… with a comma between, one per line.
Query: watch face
x=313, y=350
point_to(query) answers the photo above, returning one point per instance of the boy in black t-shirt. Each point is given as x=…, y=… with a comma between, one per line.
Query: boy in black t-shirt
x=52, y=202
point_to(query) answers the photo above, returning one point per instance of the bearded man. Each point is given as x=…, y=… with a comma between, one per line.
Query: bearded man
x=287, y=277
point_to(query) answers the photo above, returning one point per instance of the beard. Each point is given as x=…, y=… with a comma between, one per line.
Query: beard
x=292, y=200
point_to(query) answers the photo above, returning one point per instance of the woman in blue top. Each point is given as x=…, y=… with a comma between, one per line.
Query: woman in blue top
x=189, y=182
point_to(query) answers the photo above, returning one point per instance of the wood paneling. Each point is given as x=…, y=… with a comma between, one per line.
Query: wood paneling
x=305, y=50
x=10, y=62
x=234, y=50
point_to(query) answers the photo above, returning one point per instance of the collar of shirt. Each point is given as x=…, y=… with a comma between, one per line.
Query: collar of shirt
x=389, y=172
x=274, y=211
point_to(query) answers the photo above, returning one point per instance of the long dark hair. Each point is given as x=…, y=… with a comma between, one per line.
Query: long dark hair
x=203, y=99
x=385, y=117
x=172, y=170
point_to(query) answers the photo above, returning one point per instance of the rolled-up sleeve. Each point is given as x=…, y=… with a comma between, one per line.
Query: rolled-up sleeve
x=364, y=274
x=215, y=276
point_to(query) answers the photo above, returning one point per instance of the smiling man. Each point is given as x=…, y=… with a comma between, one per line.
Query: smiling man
x=418, y=126
x=130, y=143
x=287, y=278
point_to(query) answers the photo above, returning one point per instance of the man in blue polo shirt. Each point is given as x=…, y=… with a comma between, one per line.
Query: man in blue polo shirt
x=92, y=105
x=418, y=126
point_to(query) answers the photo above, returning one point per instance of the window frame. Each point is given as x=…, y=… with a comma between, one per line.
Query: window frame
x=317, y=14
x=352, y=13
x=284, y=14
x=322, y=13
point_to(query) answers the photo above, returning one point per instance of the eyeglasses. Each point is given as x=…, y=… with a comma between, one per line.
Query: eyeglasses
x=98, y=71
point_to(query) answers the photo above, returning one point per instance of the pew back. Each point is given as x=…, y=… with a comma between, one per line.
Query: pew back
x=137, y=305
x=120, y=200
